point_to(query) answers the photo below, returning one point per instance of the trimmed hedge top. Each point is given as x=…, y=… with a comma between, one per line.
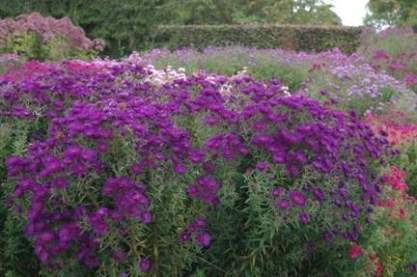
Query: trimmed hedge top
x=298, y=38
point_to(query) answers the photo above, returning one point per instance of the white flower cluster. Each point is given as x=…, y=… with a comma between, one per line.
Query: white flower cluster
x=161, y=77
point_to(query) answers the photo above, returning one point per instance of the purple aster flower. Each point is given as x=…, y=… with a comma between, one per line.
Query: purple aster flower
x=205, y=189
x=98, y=222
x=68, y=232
x=179, y=168
x=197, y=156
x=318, y=194
x=204, y=239
x=283, y=204
x=137, y=168
x=91, y=261
x=297, y=198
x=327, y=236
x=209, y=167
x=119, y=256
x=42, y=254
x=46, y=237
x=60, y=182
x=146, y=217
x=145, y=264
x=277, y=192
x=304, y=218
x=261, y=166
x=185, y=236
x=200, y=222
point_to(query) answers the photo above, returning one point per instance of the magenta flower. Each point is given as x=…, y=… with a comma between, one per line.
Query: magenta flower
x=145, y=264
x=304, y=218
x=119, y=256
x=261, y=166
x=204, y=239
x=381, y=55
x=277, y=192
x=297, y=198
x=283, y=204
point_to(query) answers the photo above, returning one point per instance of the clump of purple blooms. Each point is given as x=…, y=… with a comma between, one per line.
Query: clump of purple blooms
x=111, y=133
x=197, y=231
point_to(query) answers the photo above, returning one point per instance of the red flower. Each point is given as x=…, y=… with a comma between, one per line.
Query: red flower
x=379, y=269
x=396, y=179
x=396, y=66
x=410, y=79
x=390, y=203
x=403, y=213
x=355, y=251
x=381, y=55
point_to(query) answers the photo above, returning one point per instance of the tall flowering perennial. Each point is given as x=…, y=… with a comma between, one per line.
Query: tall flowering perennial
x=42, y=34
x=394, y=233
x=317, y=147
x=127, y=168
x=63, y=163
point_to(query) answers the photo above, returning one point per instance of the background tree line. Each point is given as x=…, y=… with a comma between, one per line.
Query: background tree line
x=392, y=12
x=127, y=25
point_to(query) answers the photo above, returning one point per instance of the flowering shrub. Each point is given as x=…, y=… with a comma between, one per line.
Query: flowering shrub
x=402, y=134
x=407, y=161
x=390, y=243
x=33, y=36
x=130, y=171
x=389, y=246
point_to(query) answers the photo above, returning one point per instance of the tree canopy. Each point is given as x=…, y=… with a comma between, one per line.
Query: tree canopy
x=127, y=25
x=392, y=12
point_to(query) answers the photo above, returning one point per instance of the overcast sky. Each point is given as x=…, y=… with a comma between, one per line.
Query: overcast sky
x=351, y=12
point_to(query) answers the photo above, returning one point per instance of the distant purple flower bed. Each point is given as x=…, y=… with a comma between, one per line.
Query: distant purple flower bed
x=352, y=82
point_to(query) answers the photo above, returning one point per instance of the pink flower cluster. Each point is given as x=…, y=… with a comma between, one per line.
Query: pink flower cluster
x=47, y=28
x=397, y=131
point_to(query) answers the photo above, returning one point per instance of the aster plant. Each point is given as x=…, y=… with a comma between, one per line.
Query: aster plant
x=130, y=171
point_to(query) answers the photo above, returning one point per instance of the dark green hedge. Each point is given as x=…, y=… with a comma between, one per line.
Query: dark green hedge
x=300, y=38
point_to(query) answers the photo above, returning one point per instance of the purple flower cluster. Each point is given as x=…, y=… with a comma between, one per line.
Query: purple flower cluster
x=204, y=189
x=292, y=199
x=129, y=199
x=145, y=264
x=197, y=231
x=111, y=133
x=230, y=146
